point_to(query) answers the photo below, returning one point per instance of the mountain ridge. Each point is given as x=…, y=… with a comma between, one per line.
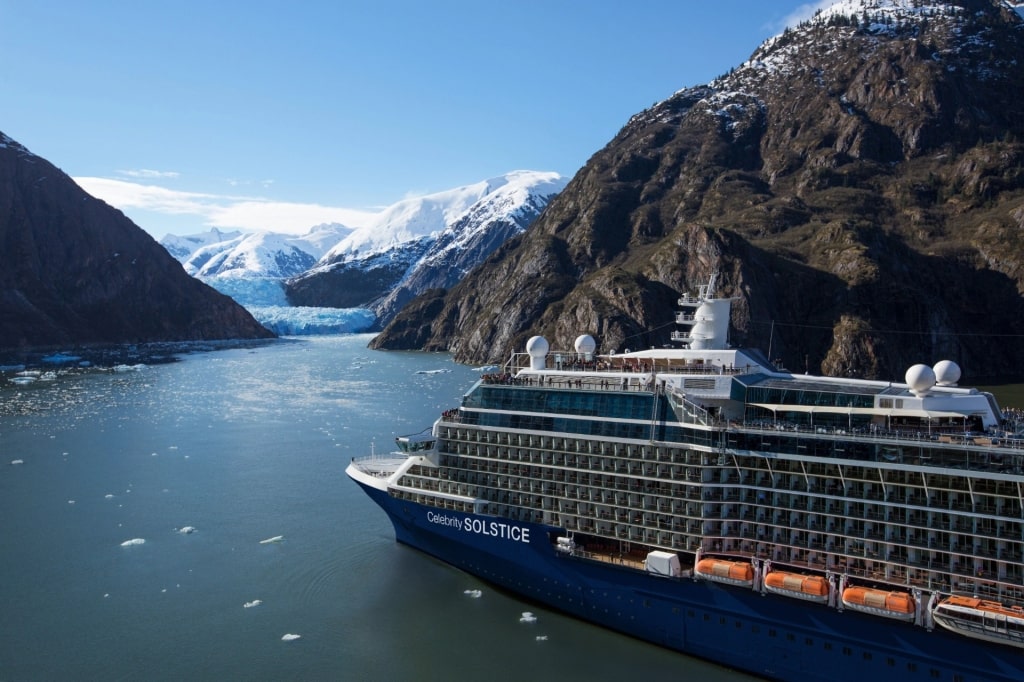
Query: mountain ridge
x=857, y=183
x=74, y=270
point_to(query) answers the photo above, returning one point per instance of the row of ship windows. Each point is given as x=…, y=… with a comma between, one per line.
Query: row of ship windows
x=570, y=452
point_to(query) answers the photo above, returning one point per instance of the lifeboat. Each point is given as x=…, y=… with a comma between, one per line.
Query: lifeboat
x=981, y=619
x=809, y=587
x=723, y=571
x=898, y=605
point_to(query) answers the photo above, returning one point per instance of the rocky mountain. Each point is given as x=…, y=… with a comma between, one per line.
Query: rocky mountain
x=75, y=271
x=422, y=243
x=858, y=183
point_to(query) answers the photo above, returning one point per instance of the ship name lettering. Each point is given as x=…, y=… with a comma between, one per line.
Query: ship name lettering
x=497, y=529
x=445, y=520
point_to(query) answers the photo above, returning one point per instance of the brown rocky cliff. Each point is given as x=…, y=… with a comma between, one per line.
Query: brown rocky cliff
x=75, y=271
x=859, y=185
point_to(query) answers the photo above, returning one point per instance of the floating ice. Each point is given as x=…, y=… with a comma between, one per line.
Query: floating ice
x=187, y=530
x=120, y=369
x=434, y=371
x=250, y=604
x=276, y=538
x=17, y=461
x=61, y=358
x=542, y=638
x=527, y=617
x=108, y=496
x=475, y=594
x=133, y=541
x=289, y=637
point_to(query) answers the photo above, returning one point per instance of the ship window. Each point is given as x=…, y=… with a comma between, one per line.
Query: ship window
x=912, y=667
x=891, y=662
x=722, y=620
x=935, y=673
x=828, y=646
x=867, y=655
x=755, y=629
x=739, y=625
x=847, y=651
x=691, y=614
x=707, y=616
x=790, y=637
x=809, y=642
x=771, y=633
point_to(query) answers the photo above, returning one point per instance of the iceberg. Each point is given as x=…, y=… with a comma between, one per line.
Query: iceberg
x=290, y=637
x=275, y=539
x=527, y=617
x=133, y=541
x=250, y=604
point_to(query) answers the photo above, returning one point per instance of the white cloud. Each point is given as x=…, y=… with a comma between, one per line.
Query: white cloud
x=251, y=214
x=147, y=173
x=804, y=12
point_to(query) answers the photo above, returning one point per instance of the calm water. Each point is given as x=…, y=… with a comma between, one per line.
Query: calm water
x=244, y=446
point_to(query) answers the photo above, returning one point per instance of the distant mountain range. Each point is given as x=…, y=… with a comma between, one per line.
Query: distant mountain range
x=858, y=183
x=414, y=245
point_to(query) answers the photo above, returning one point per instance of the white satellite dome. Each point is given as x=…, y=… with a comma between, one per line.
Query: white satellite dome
x=920, y=378
x=585, y=344
x=947, y=373
x=537, y=348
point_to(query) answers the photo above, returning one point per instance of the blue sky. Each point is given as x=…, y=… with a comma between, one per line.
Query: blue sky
x=280, y=115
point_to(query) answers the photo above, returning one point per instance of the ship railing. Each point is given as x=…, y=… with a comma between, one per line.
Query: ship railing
x=382, y=465
x=686, y=411
x=577, y=362
x=987, y=452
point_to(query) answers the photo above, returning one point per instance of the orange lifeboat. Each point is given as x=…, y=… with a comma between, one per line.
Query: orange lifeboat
x=723, y=571
x=898, y=605
x=809, y=587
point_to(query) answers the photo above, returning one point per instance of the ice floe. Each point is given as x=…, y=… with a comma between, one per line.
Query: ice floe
x=542, y=638
x=528, y=617
x=250, y=604
x=475, y=594
x=133, y=541
x=187, y=530
x=269, y=541
x=289, y=637
x=17, y=461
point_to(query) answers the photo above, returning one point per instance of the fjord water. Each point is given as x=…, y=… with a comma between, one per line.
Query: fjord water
x=247, y=445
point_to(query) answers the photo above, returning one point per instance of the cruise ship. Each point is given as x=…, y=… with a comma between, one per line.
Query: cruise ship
x=795, y=527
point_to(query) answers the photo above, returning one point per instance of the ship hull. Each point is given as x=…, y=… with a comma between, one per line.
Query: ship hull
x=769, y=635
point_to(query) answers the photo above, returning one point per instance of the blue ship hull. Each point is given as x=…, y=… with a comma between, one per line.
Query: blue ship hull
x=769, y=635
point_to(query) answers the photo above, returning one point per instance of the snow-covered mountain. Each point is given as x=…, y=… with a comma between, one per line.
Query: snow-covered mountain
x=183, y=247
x=338, y=279
x=423, y=243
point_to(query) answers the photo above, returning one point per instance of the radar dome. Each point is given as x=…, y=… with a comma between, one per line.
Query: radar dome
x=585, y=344
x=920, y=378
x=537, y=346
x=947, y=373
